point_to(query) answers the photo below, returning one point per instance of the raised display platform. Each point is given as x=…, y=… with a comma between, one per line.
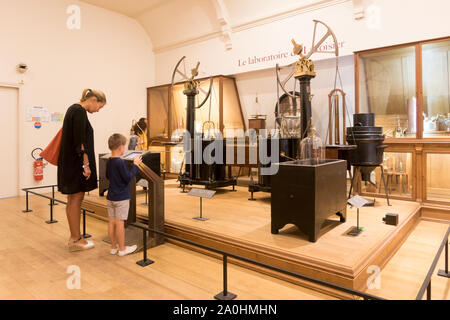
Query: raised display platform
x=243, y=227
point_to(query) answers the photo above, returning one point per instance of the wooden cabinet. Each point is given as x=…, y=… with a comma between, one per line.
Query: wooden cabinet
x=408, y=88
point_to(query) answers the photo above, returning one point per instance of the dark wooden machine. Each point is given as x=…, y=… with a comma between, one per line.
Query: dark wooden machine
x=307, y=192
x=211, y=175
x=288, y=150
x=306, y=195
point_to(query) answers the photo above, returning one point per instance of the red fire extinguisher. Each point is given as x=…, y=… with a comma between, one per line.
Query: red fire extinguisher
x=38, y=164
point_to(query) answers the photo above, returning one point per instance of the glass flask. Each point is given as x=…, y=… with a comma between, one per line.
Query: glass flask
x=312, y=148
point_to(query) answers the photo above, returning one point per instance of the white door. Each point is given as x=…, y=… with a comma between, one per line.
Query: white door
x=9, y=173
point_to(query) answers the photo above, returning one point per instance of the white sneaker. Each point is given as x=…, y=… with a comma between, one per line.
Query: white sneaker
x=74, y=246
x=128, y=250
x=114, y=251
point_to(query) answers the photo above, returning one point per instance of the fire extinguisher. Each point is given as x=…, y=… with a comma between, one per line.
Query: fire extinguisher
x=38, y=164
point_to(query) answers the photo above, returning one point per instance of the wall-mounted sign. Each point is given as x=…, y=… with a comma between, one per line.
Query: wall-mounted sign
x=280, y=56
x=41, y=114
x=37, y=114
x=37, y=125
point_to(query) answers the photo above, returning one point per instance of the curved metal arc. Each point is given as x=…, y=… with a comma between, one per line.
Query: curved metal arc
x=211, y=80
x=175, y=71
x=283, y=84
x=322, y=40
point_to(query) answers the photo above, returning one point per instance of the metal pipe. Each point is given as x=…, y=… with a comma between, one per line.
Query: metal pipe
x=56, y=200
x=84, y=225
x=225, y=276
x=446, y=257
x=51, y=209
x=144, y=238
x=53, y=195
x=26, y=209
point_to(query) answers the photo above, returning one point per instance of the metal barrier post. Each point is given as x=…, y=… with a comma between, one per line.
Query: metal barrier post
x=51, y=214
x=429, y=291
x=144, y=262
x=53, y=196
x=445, y=273
x=85, y=235
x=225, y=295
x=27, y=210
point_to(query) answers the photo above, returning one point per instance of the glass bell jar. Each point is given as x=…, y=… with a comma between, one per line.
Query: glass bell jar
x=289, y=117
x=312, y=149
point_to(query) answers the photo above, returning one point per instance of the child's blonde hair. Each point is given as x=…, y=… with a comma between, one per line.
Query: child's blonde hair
x=116, y=140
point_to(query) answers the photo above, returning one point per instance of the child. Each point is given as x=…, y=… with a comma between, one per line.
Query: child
x=118, y=199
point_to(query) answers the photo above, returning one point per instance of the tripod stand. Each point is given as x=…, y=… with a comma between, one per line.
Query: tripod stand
x=357, y=174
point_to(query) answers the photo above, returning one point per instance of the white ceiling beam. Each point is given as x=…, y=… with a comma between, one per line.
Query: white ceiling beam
x=358, y=9
x=224, y=22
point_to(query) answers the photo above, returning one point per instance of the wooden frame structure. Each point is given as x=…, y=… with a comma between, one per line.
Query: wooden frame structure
x=170, y=130
x=165, y=142
x=334, y=118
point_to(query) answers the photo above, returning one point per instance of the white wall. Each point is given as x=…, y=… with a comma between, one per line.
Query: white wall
x=386, y=22
x=110, y=52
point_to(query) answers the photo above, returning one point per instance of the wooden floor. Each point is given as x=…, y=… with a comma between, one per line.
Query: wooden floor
x=34, y=261
x=403, y=276
x=243, y=227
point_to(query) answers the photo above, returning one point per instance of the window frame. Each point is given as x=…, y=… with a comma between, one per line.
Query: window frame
x=419, y=88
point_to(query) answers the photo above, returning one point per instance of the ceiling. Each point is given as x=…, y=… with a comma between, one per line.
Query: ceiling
x=131, y=8
x=173, y=23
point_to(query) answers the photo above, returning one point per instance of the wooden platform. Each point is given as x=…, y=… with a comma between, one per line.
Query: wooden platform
x=243, y=227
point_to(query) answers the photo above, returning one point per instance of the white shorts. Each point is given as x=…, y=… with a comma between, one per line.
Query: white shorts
x=118, y=209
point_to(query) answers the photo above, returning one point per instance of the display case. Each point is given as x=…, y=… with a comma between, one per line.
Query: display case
x=407, y=87
x=398, y=172
x=387, y=88
x=437, y=177
x=166, y=112
x=436, y=89
x=166, y=107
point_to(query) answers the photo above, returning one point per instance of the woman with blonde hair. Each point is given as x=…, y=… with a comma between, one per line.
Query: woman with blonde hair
x=77, y=172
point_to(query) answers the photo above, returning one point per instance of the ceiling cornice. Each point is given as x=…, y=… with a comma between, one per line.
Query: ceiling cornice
x=320, y=4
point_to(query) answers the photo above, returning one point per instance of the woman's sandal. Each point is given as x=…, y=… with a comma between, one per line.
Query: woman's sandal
x=74, y=246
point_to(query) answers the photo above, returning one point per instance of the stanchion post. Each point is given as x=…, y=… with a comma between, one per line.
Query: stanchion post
x=429, y=291
x=51, y=214
x=85, y=235
x=53, y=196
x=26, y=210
x=445, y=273
x=225, y=295
x=144, y=262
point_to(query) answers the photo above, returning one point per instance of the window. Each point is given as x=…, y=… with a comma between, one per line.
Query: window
x=387, y=87
x=436, y=89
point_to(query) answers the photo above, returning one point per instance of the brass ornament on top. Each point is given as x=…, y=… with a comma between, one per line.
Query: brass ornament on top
x=305, y=66
x=303, y=71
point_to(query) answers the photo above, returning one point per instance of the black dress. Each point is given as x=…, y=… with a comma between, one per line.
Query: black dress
x=76, y=131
